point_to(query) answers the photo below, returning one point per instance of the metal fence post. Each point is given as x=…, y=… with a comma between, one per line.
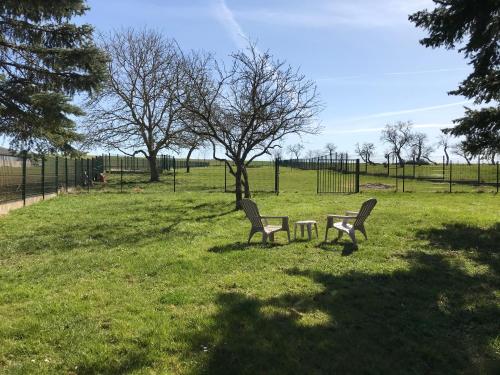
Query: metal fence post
x=414, y=167
x=443, y=167
x=121, y=176
x=451, y=178
x=357, y=175
x=173, y=164
x=57, y=175
x=497, y=174
x=396, y=163
x=317, y=178
x=23, y=191
x=388, y=161
x=43, y=177
x=76, y=169
x=66, y=173
x=276, y=176
x=88, y=175
x=404, y=164
x=225, y=177
x=479, y=170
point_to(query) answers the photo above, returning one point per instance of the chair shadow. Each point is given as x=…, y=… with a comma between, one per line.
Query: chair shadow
x=347, y=247
x=240, y=246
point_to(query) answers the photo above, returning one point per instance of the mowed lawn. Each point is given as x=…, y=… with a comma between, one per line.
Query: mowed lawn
x=149, y=281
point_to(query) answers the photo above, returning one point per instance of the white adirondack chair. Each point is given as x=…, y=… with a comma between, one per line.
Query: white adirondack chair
x=260, y=223
x=345, y=227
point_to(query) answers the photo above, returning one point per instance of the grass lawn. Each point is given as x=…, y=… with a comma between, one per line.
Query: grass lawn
x=148, y=281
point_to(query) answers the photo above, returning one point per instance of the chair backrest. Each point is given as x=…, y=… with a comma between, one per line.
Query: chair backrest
x=252, y=212
x=364, y=212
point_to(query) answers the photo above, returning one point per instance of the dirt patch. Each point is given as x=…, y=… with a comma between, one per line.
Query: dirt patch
x=377, y=186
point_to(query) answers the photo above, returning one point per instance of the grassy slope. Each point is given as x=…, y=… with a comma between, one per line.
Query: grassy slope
x=150, y=281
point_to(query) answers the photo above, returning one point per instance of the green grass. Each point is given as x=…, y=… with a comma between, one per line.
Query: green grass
x=148, y=281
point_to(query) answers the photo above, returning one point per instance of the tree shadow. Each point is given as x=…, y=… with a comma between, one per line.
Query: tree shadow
x=483, y=244
x=143, y=224
x=431, y=318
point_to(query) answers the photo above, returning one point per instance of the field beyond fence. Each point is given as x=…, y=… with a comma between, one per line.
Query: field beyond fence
x=25, y=176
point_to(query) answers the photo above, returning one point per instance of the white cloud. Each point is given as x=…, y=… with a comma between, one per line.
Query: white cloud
x=409, y=111
x=378, y=129
x=390, y=74
x=324, y=14
x=227, y=19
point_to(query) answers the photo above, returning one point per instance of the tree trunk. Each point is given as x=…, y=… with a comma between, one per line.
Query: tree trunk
x=400, y=159
x=446, y=155
x=189, y=157
x=153, y=169
x=246, y=184
x=467, y=160
x=237, y=189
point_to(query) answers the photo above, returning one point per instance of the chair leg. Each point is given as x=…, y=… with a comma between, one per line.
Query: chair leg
x=271, y=237
x=288, y=234
x=363, y=230
x=326, y=234
x=264, y=238
x=250, y=235
x=316, y=229
x=295, y=231
x=309, y=232
x=339, y=235
x=353, y=238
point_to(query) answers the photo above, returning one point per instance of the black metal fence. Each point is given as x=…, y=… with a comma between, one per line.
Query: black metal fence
x=333, y=173
x=449, y=176
x=26, y=175
x=193, y=175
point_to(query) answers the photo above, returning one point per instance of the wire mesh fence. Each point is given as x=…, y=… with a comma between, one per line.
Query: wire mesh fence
x=430, y=176
x=26, y=175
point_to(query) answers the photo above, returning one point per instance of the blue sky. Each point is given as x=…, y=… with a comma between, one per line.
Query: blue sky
x=363, y=54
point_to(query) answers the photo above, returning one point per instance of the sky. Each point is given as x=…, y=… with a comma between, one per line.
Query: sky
x=364, y=55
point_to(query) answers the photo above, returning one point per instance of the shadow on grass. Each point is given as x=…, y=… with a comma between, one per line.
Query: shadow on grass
x=239, y=246
x=347, y=247
x=117, y=225
x=484, y=242
x=432, y=318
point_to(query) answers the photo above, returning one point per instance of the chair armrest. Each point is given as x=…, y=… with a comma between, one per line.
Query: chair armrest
x=344, y=217
x=284, y=220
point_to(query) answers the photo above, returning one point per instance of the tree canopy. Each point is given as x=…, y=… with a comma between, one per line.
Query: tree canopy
x=473, y=26
x=44, y=60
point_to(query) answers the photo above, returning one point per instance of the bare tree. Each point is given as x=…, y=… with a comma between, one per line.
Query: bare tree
x=330, y=148
x=277, y=153
x=365, y=152
x=420, y=151
x=460, y=149
x=398, y=136
x=191, y=141
x=249, y=107
x=312, y=154
x=444, y=142
x=295, y=150
x=138, y=110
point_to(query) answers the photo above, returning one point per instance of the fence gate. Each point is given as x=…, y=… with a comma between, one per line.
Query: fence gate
x=337, y=175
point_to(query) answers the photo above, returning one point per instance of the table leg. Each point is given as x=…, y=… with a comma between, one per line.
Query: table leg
x=309, y=231
x=301, y=230
x=295, y=231
x=316, y=228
